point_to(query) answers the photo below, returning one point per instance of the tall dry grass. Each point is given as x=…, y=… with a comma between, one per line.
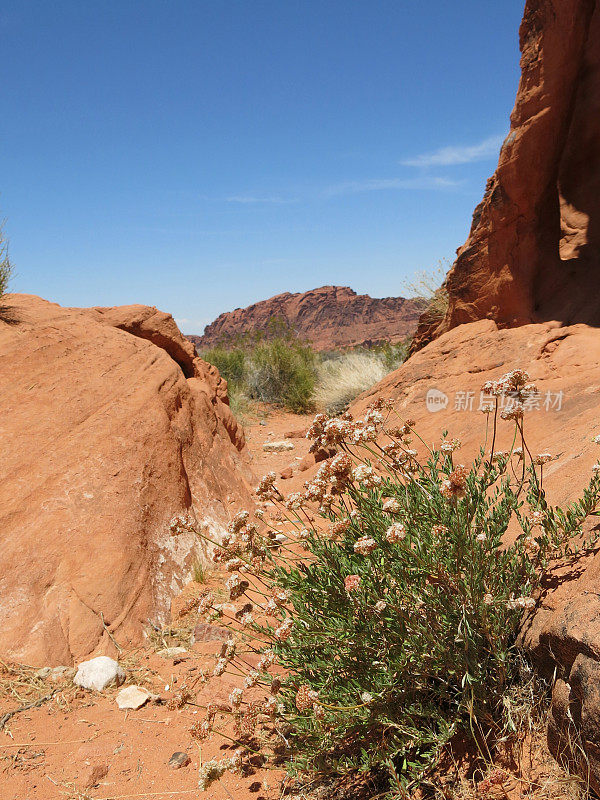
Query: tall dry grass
x=344, y=377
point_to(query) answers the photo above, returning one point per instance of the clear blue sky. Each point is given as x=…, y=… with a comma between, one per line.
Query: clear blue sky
x=206, y=154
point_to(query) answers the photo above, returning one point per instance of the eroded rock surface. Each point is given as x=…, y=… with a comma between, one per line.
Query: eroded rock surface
x=116, y=441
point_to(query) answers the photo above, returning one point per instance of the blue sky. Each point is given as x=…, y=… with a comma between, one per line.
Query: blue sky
x=204, y=155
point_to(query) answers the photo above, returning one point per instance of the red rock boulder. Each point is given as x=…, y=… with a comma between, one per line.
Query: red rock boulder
x=117, y=440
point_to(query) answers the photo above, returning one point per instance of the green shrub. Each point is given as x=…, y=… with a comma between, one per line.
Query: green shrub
x=393, y=355
x=276, y=368
x=283, y=371
x=386, y=621
x=231, y=363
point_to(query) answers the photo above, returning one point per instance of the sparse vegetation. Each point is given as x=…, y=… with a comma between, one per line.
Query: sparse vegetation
x=199, y=571
x=344, y=377
x=282, y=370
x=385, y=617
x=276, y=368
x=6, y=269
x=430, y=285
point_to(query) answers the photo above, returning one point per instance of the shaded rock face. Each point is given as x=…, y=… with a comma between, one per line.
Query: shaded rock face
x=116, y=440
x=329, y=317
x=563, y=632
x=533, y=253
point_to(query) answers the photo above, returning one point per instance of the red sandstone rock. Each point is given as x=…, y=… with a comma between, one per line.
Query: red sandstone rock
x=328, y=317
x=116, y=439
x=296, y=434
x=533, y=253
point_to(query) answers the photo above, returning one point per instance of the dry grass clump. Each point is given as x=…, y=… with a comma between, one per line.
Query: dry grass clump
x=23, y=684
x=343, y=378
x=429, y=284
x=6, y=269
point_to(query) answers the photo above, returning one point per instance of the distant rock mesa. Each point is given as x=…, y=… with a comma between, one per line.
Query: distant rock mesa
x=328, y=317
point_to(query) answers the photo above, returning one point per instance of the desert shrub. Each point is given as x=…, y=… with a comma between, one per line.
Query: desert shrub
x=231, y=363
x=277, y=368
x=6, y=269
x=283, y=371
x=342, y=378
x=385, y=618
x=392, y=355
x=429, y=284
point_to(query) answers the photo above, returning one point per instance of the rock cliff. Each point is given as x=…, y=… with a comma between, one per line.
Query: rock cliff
x=533, y=253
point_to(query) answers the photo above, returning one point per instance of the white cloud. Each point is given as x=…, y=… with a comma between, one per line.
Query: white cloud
x=458, y=154
x=382, y=184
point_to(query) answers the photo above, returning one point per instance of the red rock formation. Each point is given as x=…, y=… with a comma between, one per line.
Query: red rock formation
x=115, y=437
x=533, y=253
x=329, y=317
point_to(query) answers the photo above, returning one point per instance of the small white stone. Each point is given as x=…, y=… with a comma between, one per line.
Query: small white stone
x=61, y=673
x=44, y=672
x=277, y=447
x=172, y=652
x=132, y=697
x=98, y=673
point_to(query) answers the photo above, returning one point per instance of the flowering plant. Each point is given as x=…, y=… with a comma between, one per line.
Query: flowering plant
x=381, y=604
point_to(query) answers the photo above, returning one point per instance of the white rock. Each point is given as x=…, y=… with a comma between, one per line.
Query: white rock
x=98, y=673
x=58, y=674
x=172, y=652
x=132, y=697
x=277, y=447
x=44, y=672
